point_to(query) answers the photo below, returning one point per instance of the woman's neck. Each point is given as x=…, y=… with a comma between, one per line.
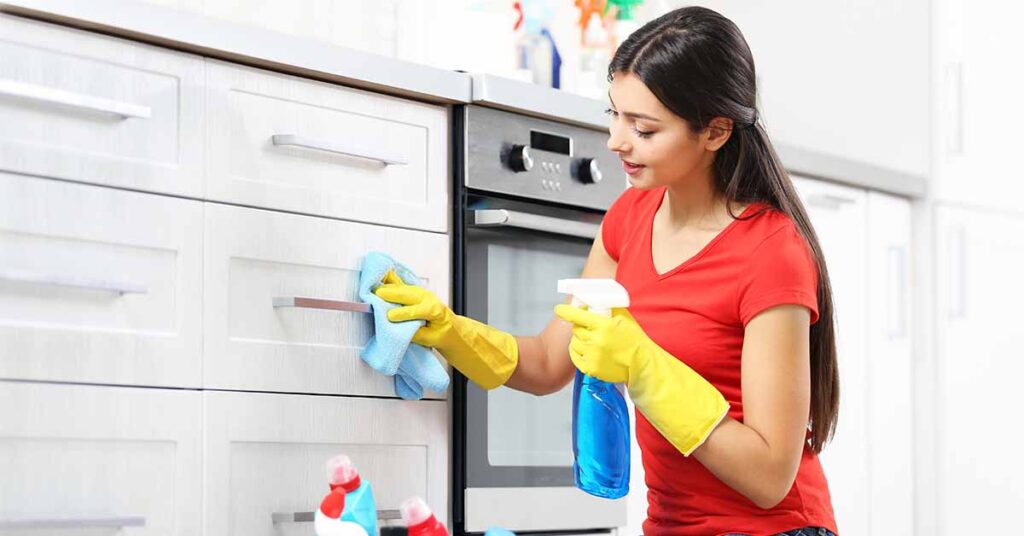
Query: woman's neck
x=693, y=203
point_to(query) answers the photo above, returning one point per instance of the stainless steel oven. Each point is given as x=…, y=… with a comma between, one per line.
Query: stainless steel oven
x=530, y=196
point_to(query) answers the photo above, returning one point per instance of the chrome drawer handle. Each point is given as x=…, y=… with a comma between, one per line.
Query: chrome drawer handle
x=74, y=523
x=291, y=140
x=120, y=288
x=535, y=222
x=307, y=517
x=320, y=303
x=68, y=99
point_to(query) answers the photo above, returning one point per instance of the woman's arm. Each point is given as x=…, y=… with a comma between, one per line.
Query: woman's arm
x=759, y=457
x=544, y=365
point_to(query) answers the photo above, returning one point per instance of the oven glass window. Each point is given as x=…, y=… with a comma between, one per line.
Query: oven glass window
x=522, y=271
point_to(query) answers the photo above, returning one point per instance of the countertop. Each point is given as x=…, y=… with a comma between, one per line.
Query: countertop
x=266, y=49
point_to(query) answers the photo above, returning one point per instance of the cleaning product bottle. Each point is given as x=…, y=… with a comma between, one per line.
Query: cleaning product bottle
x=594, y=58
x=420, y=519
x=327, y=519
x=536, y=55
x=360, y=507
x=600, y=418
x=625, y=18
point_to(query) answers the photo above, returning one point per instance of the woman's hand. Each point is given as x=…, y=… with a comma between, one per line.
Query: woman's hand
x=681, y=404
x=603, y=347
x=486, y=355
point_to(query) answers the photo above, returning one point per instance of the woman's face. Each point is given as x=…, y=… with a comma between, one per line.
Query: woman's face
x=656, y=146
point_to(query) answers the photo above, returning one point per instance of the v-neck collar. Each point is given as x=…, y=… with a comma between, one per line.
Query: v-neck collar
x=697, y=256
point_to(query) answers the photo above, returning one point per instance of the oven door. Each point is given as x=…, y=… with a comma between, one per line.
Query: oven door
x=518, y=447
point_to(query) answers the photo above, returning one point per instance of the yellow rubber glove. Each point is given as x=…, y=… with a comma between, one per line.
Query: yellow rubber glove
x=486, y=355
x=680, y=403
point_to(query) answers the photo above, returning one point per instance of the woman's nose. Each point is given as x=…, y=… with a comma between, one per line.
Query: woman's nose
x=616, y=142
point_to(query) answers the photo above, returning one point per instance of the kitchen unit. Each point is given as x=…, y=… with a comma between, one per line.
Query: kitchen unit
x=180, y=245
x=167, y=200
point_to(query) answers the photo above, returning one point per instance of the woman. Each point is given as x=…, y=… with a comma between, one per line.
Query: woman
x=728, y=349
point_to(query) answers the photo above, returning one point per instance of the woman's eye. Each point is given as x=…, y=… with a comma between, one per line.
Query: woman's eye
x=611, y=112
x=641, y=133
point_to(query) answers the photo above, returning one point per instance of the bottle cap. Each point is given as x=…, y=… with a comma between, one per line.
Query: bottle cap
x=342, y=473
x=415, y=511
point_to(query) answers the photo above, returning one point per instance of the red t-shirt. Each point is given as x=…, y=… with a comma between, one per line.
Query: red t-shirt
x=697, y=311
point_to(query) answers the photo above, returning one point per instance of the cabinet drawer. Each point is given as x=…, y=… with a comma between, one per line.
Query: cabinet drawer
x=99, y=285
x=281, y=142
x=89, y=459
x=266, y=455
x=84, y=107
x=254, y=256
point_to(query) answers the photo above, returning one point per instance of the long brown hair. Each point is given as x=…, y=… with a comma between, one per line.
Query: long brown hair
x=699, y=65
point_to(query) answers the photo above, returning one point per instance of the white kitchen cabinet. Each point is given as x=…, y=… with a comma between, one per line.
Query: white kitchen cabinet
x=99, y=460
x=86, y=107
x=838, y=214
x=254, y=256
x=980, y=477
x=285, y=143
x=978, y=143
x=266, y=454
x=99, y=285
x=888, y=359
x=848, y=79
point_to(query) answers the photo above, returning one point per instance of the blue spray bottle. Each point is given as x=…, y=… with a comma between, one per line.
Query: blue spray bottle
x=600, y=418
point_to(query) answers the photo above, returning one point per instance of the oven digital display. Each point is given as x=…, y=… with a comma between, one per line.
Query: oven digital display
x=551, y=142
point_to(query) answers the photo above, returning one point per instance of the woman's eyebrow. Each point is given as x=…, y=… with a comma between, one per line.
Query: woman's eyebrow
x=633, y=115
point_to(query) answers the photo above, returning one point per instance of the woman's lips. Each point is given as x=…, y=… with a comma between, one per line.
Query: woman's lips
x=631, y=168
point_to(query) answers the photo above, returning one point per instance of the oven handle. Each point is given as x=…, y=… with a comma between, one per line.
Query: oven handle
x=534, y=222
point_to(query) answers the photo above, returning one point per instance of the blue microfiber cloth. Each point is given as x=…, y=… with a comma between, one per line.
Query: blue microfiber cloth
x=390, y=350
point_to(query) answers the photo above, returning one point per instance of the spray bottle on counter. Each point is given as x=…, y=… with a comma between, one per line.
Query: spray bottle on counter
x=600, y=418
x=360, y=507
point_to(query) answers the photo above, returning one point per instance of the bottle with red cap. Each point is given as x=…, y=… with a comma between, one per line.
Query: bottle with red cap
x=360, y=506
x=420, y=519
x=327, y=519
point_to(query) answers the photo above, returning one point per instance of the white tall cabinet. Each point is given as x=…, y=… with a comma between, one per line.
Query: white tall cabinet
x=972, y=478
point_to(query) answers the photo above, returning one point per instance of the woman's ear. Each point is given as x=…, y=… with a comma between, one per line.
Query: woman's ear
x=717, y=133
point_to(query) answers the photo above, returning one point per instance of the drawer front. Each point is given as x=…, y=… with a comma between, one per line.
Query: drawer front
x=254, y=256
x=281, y=142
x=99, y=285
x=86, y=459
x=266, y=454
x=84, y=107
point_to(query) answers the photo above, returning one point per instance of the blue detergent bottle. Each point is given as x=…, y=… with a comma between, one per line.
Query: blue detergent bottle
x=600, y=418
x=360, y=506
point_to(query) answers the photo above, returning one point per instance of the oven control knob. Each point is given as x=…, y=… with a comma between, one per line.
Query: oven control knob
x=519, y=159
x=588, y=172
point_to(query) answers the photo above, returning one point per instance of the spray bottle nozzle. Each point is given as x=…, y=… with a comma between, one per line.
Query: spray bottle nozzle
x=599, y=295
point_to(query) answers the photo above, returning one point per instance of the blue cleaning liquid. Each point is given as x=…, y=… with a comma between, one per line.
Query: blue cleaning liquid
x=600, y=438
